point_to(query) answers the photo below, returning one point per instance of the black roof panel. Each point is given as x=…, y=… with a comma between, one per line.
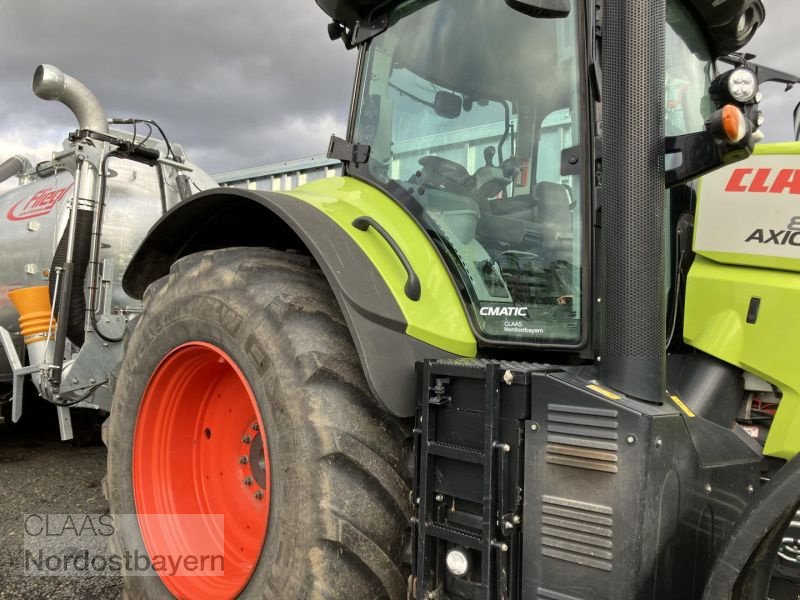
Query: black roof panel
x=721, y=19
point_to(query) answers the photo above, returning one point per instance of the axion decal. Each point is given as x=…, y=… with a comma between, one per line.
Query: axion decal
x=765, y=181
x=38, y=205
x=779, y=237
x=504, y=311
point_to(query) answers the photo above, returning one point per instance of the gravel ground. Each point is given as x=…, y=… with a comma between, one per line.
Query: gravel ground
x=41, y=475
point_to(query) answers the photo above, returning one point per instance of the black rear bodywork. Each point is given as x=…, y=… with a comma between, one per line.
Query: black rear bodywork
x=562, y=490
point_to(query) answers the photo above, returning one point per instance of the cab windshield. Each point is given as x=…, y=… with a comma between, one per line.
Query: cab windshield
x=473, y=108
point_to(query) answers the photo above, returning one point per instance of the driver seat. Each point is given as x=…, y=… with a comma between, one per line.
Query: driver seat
x=554, y=215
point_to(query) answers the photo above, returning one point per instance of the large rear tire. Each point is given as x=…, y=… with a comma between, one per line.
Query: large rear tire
x=236, y=349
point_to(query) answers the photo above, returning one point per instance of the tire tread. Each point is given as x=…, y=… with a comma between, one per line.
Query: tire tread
x=350, y=437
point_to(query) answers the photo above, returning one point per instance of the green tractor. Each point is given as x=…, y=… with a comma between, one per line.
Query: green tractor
x=513, y=353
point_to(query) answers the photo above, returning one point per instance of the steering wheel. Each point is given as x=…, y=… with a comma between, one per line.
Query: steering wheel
x=446, y=174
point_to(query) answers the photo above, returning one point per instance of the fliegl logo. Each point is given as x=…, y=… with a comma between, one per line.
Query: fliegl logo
x=504, y=311
x=38, y=205
x=790, y=236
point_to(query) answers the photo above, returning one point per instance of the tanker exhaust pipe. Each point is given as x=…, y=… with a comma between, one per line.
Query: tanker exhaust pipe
x=632, y=350
x=51, y=83
x=16, y=165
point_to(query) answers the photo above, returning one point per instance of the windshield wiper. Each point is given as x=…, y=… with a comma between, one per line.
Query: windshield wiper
x=410, y=96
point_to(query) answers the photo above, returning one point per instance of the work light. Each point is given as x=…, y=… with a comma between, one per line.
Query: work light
x=742, y=85
x=457, y=561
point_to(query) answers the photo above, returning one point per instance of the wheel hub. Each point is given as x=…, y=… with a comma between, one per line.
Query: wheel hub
x=252, y=460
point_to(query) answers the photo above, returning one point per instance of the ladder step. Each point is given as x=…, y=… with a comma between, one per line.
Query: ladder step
x=456, y=452
x=455, y=536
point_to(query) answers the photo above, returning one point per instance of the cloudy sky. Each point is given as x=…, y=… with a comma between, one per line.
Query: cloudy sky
x=239, y=84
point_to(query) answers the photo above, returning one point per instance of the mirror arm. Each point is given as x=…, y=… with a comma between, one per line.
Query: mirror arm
x=701, y=153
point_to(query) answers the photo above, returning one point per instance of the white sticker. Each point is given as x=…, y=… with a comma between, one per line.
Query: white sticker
x=751, y=207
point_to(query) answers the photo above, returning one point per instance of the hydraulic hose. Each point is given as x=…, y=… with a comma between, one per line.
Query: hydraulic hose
x=80, y=260
x=16, y=165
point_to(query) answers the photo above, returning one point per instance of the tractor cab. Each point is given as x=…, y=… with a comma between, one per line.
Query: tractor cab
x=471, y=124
x=482, y=119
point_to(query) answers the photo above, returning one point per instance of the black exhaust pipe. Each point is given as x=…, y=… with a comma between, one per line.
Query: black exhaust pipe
x=632, y=357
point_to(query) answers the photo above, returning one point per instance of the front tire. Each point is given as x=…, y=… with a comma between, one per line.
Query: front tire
x=239, y=348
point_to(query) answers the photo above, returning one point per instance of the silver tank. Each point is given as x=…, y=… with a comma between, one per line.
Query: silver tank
x=33, y=217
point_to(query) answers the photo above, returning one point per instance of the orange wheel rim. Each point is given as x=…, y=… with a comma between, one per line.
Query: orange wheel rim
x=200, y=448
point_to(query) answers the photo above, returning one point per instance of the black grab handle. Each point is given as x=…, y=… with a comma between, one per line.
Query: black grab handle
x=412, y=288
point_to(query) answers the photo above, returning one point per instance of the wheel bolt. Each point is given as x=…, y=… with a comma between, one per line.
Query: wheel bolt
x=255, y=426
x=246, y=439
x=248, y=481
x=243, y=460
x=258, y=495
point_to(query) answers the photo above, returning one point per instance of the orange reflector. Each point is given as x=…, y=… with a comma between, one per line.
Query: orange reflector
x=733, y=123
x=33, y=306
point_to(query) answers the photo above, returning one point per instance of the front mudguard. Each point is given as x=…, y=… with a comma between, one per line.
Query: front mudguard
x=235, y=217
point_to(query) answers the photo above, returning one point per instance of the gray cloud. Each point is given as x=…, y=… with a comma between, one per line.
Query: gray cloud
x=775, y=46
x=230, y=81
x=237, y=83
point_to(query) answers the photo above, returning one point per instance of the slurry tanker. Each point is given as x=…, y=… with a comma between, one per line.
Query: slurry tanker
x=67, y=234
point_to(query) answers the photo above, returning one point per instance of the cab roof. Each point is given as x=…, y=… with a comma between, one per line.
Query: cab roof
x=729, y=25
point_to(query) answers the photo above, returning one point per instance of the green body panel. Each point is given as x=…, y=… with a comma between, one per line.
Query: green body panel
x=717, y=301
x=438, y=317
x=745, y=260
x=782, y=148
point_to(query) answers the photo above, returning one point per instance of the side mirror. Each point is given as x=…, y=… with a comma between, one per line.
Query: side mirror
x=797, y=122
x=447, y=105
x=547, y=9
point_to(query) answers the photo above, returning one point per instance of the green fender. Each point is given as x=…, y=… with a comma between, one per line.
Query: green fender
x=438, y=317
x=390, y=330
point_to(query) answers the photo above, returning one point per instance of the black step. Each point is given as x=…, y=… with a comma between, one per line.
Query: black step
x=455, y=536
x=461, y=453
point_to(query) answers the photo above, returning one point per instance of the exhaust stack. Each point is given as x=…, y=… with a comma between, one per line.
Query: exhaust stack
x=51, y=83
x=632, y=356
